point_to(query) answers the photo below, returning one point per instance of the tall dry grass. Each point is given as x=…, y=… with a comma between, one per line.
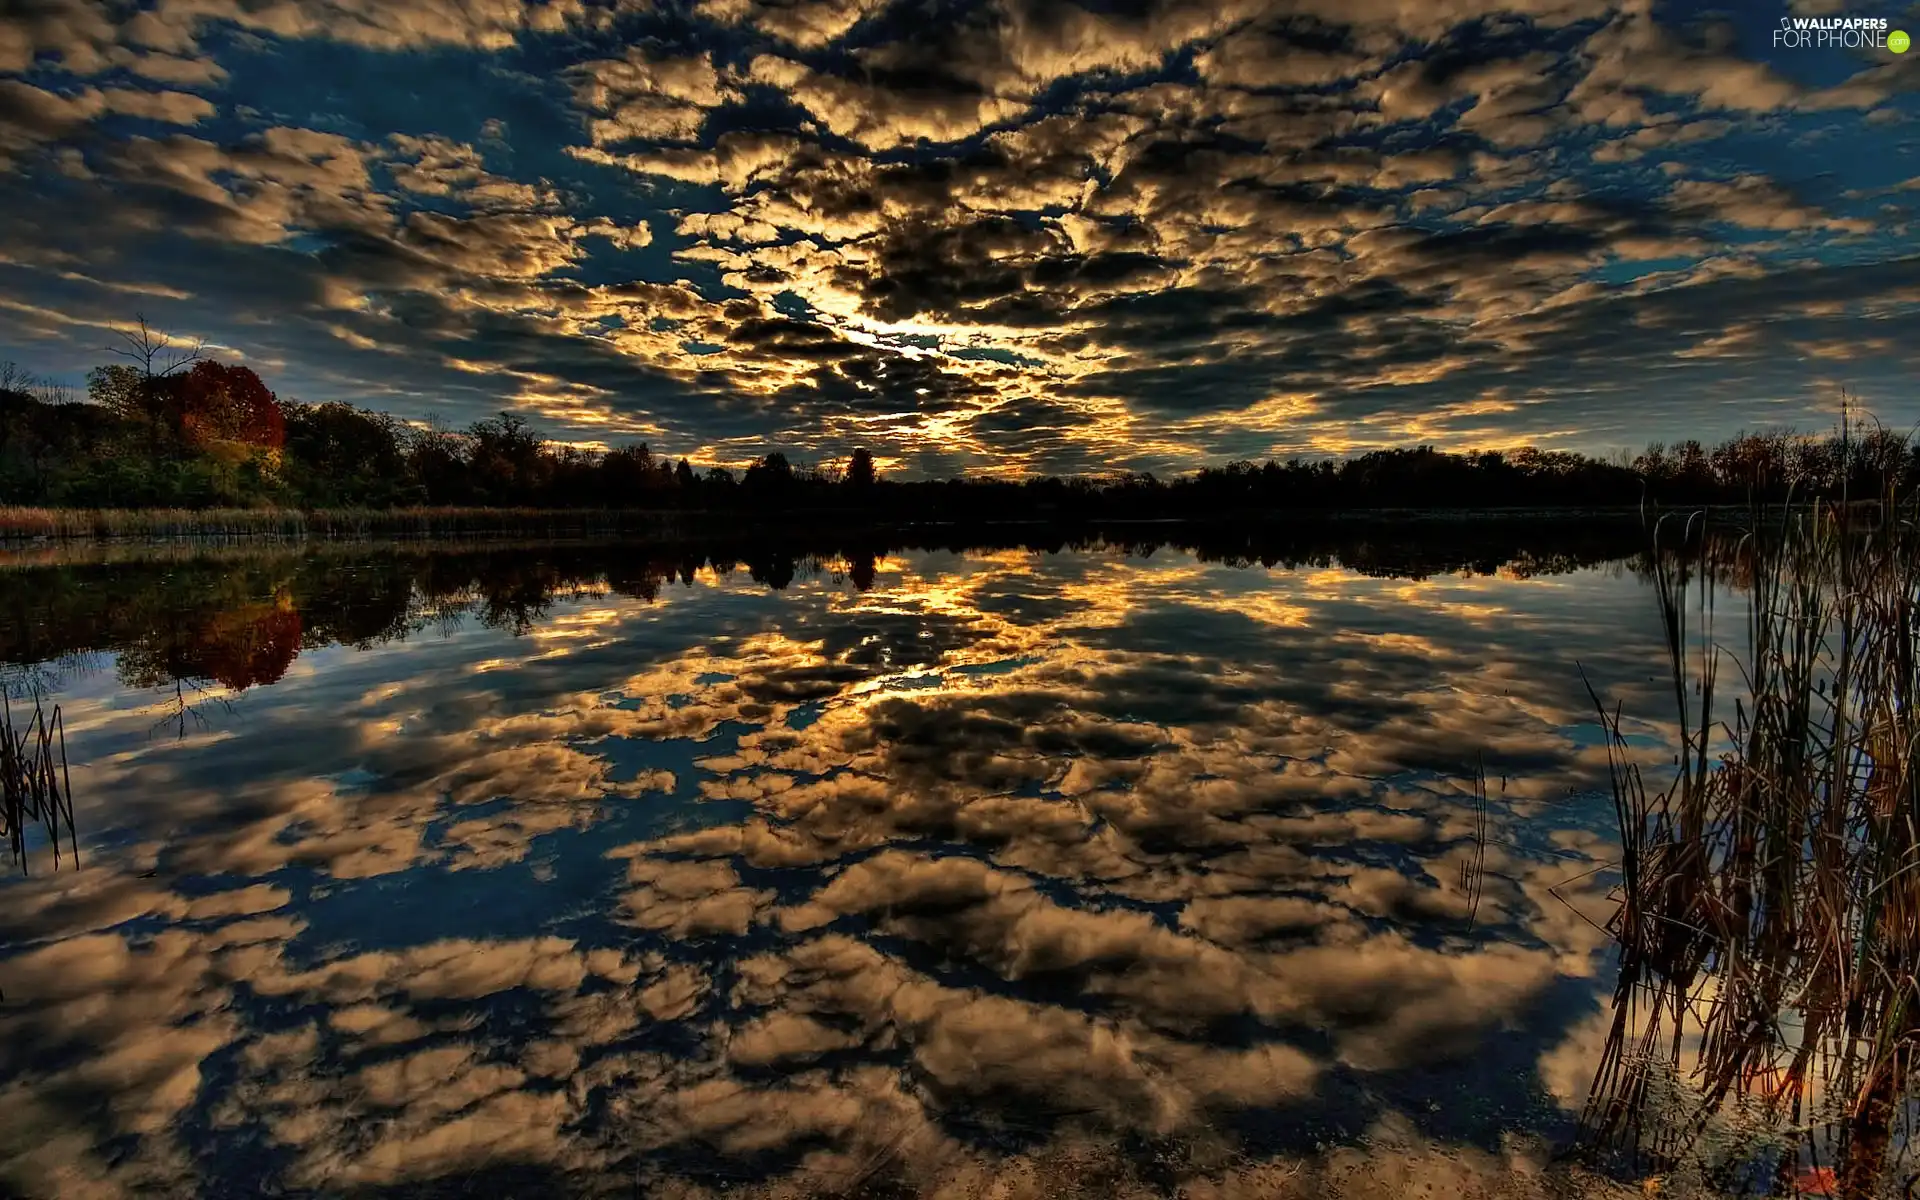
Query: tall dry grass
x=1769, y=917
x=35, y=788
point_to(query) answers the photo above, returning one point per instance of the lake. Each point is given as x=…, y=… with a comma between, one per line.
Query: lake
x=1110, y=869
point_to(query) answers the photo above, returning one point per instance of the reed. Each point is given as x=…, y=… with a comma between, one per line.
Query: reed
x=35, y=788
x=1769, y=904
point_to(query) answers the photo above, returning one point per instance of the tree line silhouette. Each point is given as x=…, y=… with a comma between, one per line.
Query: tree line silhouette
x=169, y=427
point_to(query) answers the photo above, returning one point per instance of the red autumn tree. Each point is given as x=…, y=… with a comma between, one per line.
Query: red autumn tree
x=249, y=645
x=216, y=404
x=239, y=646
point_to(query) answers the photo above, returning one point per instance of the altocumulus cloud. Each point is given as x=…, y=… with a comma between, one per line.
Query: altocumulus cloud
x=1014, y=235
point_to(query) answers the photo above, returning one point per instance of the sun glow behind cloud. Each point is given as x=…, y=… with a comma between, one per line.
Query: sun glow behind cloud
x=1008, y=236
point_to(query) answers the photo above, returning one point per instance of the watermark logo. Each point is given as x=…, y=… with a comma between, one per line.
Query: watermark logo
x=1838, y=33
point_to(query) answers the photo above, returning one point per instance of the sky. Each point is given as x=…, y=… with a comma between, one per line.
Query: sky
x=1014, y=236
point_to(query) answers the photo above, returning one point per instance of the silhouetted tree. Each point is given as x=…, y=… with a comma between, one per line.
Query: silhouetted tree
x=126, y=393
x=437, y=458
x=860, y=472
x=338, y=454
x=505, y=460
x=627, y=474
x=770, y=475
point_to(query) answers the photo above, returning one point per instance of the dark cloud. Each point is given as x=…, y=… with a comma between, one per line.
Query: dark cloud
x=1167, y=231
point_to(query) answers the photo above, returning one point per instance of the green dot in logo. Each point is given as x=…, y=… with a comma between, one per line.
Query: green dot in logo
x=1898, y=41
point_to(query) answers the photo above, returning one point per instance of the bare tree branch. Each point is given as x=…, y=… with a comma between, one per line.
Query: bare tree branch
x=51, y=393
x=146, y=346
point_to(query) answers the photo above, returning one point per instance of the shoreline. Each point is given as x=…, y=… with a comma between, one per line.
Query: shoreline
x=25, y=529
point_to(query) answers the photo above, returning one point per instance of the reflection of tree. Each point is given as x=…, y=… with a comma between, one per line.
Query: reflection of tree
x=641, y=579
x=240, y=620
x=185, y=702
x=27, y=679
x=775, y=569
x=515, y=610
x=186, y=651
x=252, y=645
x=689, y=567
x=237, y=647
x=860, y=569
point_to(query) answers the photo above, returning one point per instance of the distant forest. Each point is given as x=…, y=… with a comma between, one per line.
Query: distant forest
x=169, y=428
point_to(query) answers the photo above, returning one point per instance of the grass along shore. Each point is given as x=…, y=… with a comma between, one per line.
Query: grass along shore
x=19, y=524
x=1769, y=919
x=27, y=525
x=22, y=524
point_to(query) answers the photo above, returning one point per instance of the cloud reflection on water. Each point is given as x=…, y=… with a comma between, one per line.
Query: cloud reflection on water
x=729, y=884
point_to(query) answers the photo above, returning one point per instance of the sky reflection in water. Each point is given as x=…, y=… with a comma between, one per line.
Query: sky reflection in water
x=818, y=884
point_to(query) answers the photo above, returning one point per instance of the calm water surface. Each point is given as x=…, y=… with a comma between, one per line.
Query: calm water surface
x=587, y=870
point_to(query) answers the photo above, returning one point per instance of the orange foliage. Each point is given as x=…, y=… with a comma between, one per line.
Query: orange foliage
x=250, y=645
x=217, y=403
